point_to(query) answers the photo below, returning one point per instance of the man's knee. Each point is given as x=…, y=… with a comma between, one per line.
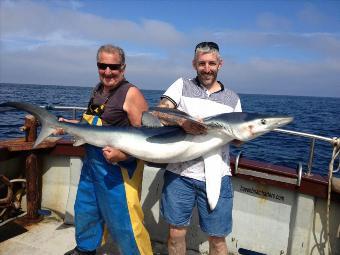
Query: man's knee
x=177, y=234
x=217, y=244
x=176, y=241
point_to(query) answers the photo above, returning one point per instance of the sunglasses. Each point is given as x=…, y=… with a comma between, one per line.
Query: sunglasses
x=211, y=45
x=103, y=66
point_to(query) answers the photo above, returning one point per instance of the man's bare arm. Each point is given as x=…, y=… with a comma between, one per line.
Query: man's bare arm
x=166, y=103
x=190, y=127
x=237, y=143
x=134, y=105
x=60, y=131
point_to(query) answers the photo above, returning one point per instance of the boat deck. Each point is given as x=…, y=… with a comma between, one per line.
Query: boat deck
x=49, y=236
x=52, y=236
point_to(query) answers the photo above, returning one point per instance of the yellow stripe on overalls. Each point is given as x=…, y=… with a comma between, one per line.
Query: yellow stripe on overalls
x=133, y=187
x=93, y=119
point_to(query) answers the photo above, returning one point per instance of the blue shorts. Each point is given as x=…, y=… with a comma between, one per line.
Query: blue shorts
x=181, y=194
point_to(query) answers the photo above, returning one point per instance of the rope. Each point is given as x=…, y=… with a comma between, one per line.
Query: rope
x=18, y=180
x=3, y=211
x=336, y=151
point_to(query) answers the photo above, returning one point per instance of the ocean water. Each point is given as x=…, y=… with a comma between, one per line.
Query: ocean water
x=315, y=115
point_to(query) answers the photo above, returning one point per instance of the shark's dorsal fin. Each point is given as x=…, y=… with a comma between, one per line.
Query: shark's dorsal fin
x=170, y=111
x=149, y=120
x=159, y=116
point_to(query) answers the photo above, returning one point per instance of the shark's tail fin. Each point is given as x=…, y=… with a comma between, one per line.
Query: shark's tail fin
x=44, y=133
x=47, y=120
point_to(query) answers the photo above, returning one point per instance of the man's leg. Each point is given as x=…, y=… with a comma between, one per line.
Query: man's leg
x=176, y=240
x=88, y=220
x=121, y=208
x=177, y=202
x=217, y=223
x=217, y=245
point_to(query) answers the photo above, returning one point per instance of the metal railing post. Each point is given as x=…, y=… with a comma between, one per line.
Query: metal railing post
x=74, y=113
x=311, y=157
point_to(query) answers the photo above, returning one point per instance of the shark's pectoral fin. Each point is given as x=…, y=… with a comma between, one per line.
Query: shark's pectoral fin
x=79, y=142
x=44, y=133
x=167, y=135
x=213, y=176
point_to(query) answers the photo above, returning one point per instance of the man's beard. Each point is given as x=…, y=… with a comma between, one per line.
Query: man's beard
x=207, y=79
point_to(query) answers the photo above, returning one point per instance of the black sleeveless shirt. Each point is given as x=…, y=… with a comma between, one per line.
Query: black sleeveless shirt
x=113, y=112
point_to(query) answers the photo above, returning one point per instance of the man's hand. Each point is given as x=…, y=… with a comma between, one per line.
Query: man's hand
x=194, y=127
x=113, y=155
x=60, y=131
x=237, y=143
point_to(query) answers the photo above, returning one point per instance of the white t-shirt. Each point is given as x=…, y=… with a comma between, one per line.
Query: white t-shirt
x=189, y=96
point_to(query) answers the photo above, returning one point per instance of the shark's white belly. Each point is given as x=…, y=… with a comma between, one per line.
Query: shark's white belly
x=180, y=151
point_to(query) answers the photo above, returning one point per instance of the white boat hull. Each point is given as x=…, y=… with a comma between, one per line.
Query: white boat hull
x=266, y=219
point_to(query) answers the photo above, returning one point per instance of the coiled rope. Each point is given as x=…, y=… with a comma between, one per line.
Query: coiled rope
x=335, y=154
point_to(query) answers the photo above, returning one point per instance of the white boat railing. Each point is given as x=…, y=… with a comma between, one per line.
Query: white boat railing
x=334, y=141
x=74, y=109
x=273, y=177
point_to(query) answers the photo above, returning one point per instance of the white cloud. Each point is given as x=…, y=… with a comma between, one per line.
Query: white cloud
x=269, y=21
x=41, y=45
x=326, y=44
x=38, y=23
x=260, y=76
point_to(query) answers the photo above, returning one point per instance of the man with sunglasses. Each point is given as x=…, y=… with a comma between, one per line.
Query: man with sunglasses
x=185, y=183
x=110, y=182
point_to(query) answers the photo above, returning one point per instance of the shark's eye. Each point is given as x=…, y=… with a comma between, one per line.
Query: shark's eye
x=263, y=121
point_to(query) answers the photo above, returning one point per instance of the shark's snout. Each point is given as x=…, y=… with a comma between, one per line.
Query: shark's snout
x=284, y=121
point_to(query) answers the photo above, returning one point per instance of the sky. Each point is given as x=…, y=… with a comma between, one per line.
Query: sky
x=272, y=47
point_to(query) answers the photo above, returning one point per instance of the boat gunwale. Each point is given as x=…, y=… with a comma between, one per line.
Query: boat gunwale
x=314, y=184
